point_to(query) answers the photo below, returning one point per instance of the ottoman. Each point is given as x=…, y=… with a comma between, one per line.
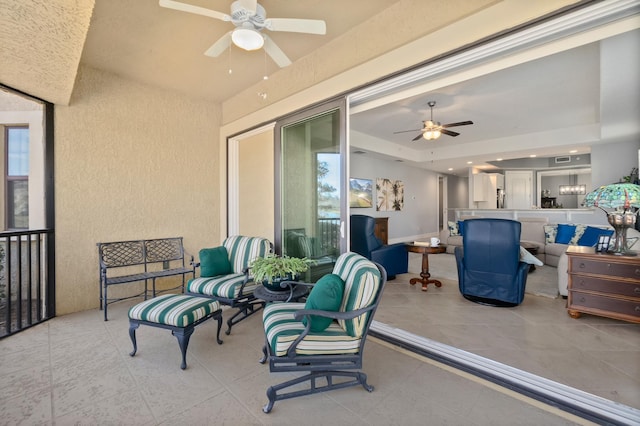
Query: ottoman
x=176, y=312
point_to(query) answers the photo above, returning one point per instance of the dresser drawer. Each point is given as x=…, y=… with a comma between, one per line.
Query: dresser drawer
x=589, y=283
x=582, y=265
x=593, y=303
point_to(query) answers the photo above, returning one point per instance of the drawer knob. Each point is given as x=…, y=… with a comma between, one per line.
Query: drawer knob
x=582, y=265
x=636, y=290
x=582, y=300
x=637, y=271
x=637, y=308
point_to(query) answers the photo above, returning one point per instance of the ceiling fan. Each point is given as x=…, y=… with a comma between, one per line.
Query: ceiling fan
x=250, y=19
x=433, y=129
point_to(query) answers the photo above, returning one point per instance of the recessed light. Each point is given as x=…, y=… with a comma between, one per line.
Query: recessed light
x=469, y=162
x=498, y=159
x=573, y=151
x=532, y=156
x=450, y=168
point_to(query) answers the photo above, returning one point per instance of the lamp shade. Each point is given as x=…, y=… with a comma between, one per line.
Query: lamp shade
x=614, y=196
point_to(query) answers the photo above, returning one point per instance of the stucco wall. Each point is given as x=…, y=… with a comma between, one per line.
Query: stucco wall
x=131, y=162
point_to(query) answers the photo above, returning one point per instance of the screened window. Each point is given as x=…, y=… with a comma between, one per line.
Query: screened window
x=17, y=177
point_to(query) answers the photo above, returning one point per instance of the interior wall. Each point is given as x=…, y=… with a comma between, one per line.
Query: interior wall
x=610, y=162
x=419, y=217
x=132, y=162
x=256, y=186
x=457, y=195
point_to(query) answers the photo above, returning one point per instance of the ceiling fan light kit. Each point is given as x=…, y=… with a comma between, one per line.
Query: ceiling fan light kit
x=432, y=130
x=247, y=38
x=250, y=19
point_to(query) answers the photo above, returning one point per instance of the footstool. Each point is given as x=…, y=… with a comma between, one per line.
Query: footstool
x=176, y=312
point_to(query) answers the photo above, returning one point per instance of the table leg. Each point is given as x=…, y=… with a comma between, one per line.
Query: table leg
x=425, y=275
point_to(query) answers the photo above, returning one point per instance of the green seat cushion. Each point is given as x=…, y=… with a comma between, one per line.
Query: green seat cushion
x=214, y=262
x=326, y=295
x=177, y=310
x=282, y=329
x=225, y=286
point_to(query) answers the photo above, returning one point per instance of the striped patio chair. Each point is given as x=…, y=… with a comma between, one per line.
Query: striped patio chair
x=324, y=336
x=225, y=275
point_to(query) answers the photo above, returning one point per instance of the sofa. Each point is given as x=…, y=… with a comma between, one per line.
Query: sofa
x=551, y=240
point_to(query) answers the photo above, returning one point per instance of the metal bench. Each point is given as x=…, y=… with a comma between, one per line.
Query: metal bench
x=157, y=258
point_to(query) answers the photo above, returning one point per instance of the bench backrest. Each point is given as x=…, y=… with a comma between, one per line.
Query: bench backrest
x=139, y=252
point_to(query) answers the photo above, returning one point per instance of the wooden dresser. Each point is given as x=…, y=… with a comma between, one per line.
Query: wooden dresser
x=381, y=229
x=603, y=284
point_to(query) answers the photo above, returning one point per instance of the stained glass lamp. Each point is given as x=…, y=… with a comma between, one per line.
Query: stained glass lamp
x=624, y=198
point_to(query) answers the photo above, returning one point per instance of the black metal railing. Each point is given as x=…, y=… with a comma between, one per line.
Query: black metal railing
x=328, y=233
x=26, y=279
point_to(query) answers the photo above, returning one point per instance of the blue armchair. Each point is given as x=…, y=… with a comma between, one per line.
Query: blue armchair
x=489, y=267
x=393, y=257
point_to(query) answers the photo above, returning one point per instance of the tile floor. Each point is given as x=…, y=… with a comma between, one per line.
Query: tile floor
x=75, y=369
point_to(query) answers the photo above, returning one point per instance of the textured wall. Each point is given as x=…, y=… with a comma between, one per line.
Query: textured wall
x=131, y=162
x=40, y=45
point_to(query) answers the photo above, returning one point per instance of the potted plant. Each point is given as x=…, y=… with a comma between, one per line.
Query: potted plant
x=272, y=269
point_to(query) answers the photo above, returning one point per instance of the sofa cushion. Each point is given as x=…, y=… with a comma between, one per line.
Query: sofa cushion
x=453, y=228
x=550, y=232
x=555, y=249
x=580, y=228
x=565, y=233
x=591, y=235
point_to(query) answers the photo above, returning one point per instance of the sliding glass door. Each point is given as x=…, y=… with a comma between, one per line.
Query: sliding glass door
x=310, y=186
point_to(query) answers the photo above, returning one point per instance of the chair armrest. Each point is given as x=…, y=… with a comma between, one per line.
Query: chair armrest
x=299, y=314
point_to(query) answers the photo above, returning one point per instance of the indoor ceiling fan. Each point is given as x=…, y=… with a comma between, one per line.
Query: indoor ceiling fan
x=250, y=19
x=433, y=129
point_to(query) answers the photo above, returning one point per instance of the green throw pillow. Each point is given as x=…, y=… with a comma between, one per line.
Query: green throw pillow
x=326, y=295
x=214, y=261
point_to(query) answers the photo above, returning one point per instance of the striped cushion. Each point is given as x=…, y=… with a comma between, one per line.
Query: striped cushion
x=227, y=286
x=282, y=329
x=362, y=282
x=242, y=250
x=305, y=245
x=178, y=310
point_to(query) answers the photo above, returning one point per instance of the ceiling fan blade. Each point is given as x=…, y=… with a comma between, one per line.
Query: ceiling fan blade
x=309, y=26
x=461, y=123
x=449, y=132
x=219, y=46
x=406, y=131
x=249, y=5
x=417, y=137
x=275, y=52
x=184, y=7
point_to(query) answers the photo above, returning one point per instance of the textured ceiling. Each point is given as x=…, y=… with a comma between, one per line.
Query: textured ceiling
x=41, y=45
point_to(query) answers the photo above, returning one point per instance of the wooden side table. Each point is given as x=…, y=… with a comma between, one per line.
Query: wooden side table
x=425, y=275
x=603, y=284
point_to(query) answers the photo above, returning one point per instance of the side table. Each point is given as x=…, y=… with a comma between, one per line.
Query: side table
x=425, y=275
x=285, y=295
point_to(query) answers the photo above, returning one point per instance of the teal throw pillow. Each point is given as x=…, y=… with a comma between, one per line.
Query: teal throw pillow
x=565, y=233
x=326, y=295
x=214, y=262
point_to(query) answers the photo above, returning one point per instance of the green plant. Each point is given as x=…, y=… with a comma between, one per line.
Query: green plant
x=273, y=267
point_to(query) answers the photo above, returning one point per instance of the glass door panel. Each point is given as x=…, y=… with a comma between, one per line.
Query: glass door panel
x=310, y=195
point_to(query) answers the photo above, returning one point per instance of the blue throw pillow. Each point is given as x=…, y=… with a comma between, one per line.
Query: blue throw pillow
x=326, y=295
x=565, y=233
x=592, y=234
x=214, y=262
x=461, y=227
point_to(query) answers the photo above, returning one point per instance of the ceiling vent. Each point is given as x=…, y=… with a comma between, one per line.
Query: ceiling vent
x=565, y=159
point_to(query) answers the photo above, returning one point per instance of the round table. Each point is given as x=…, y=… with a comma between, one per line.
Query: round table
x=261, y=292
x=425, y=251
